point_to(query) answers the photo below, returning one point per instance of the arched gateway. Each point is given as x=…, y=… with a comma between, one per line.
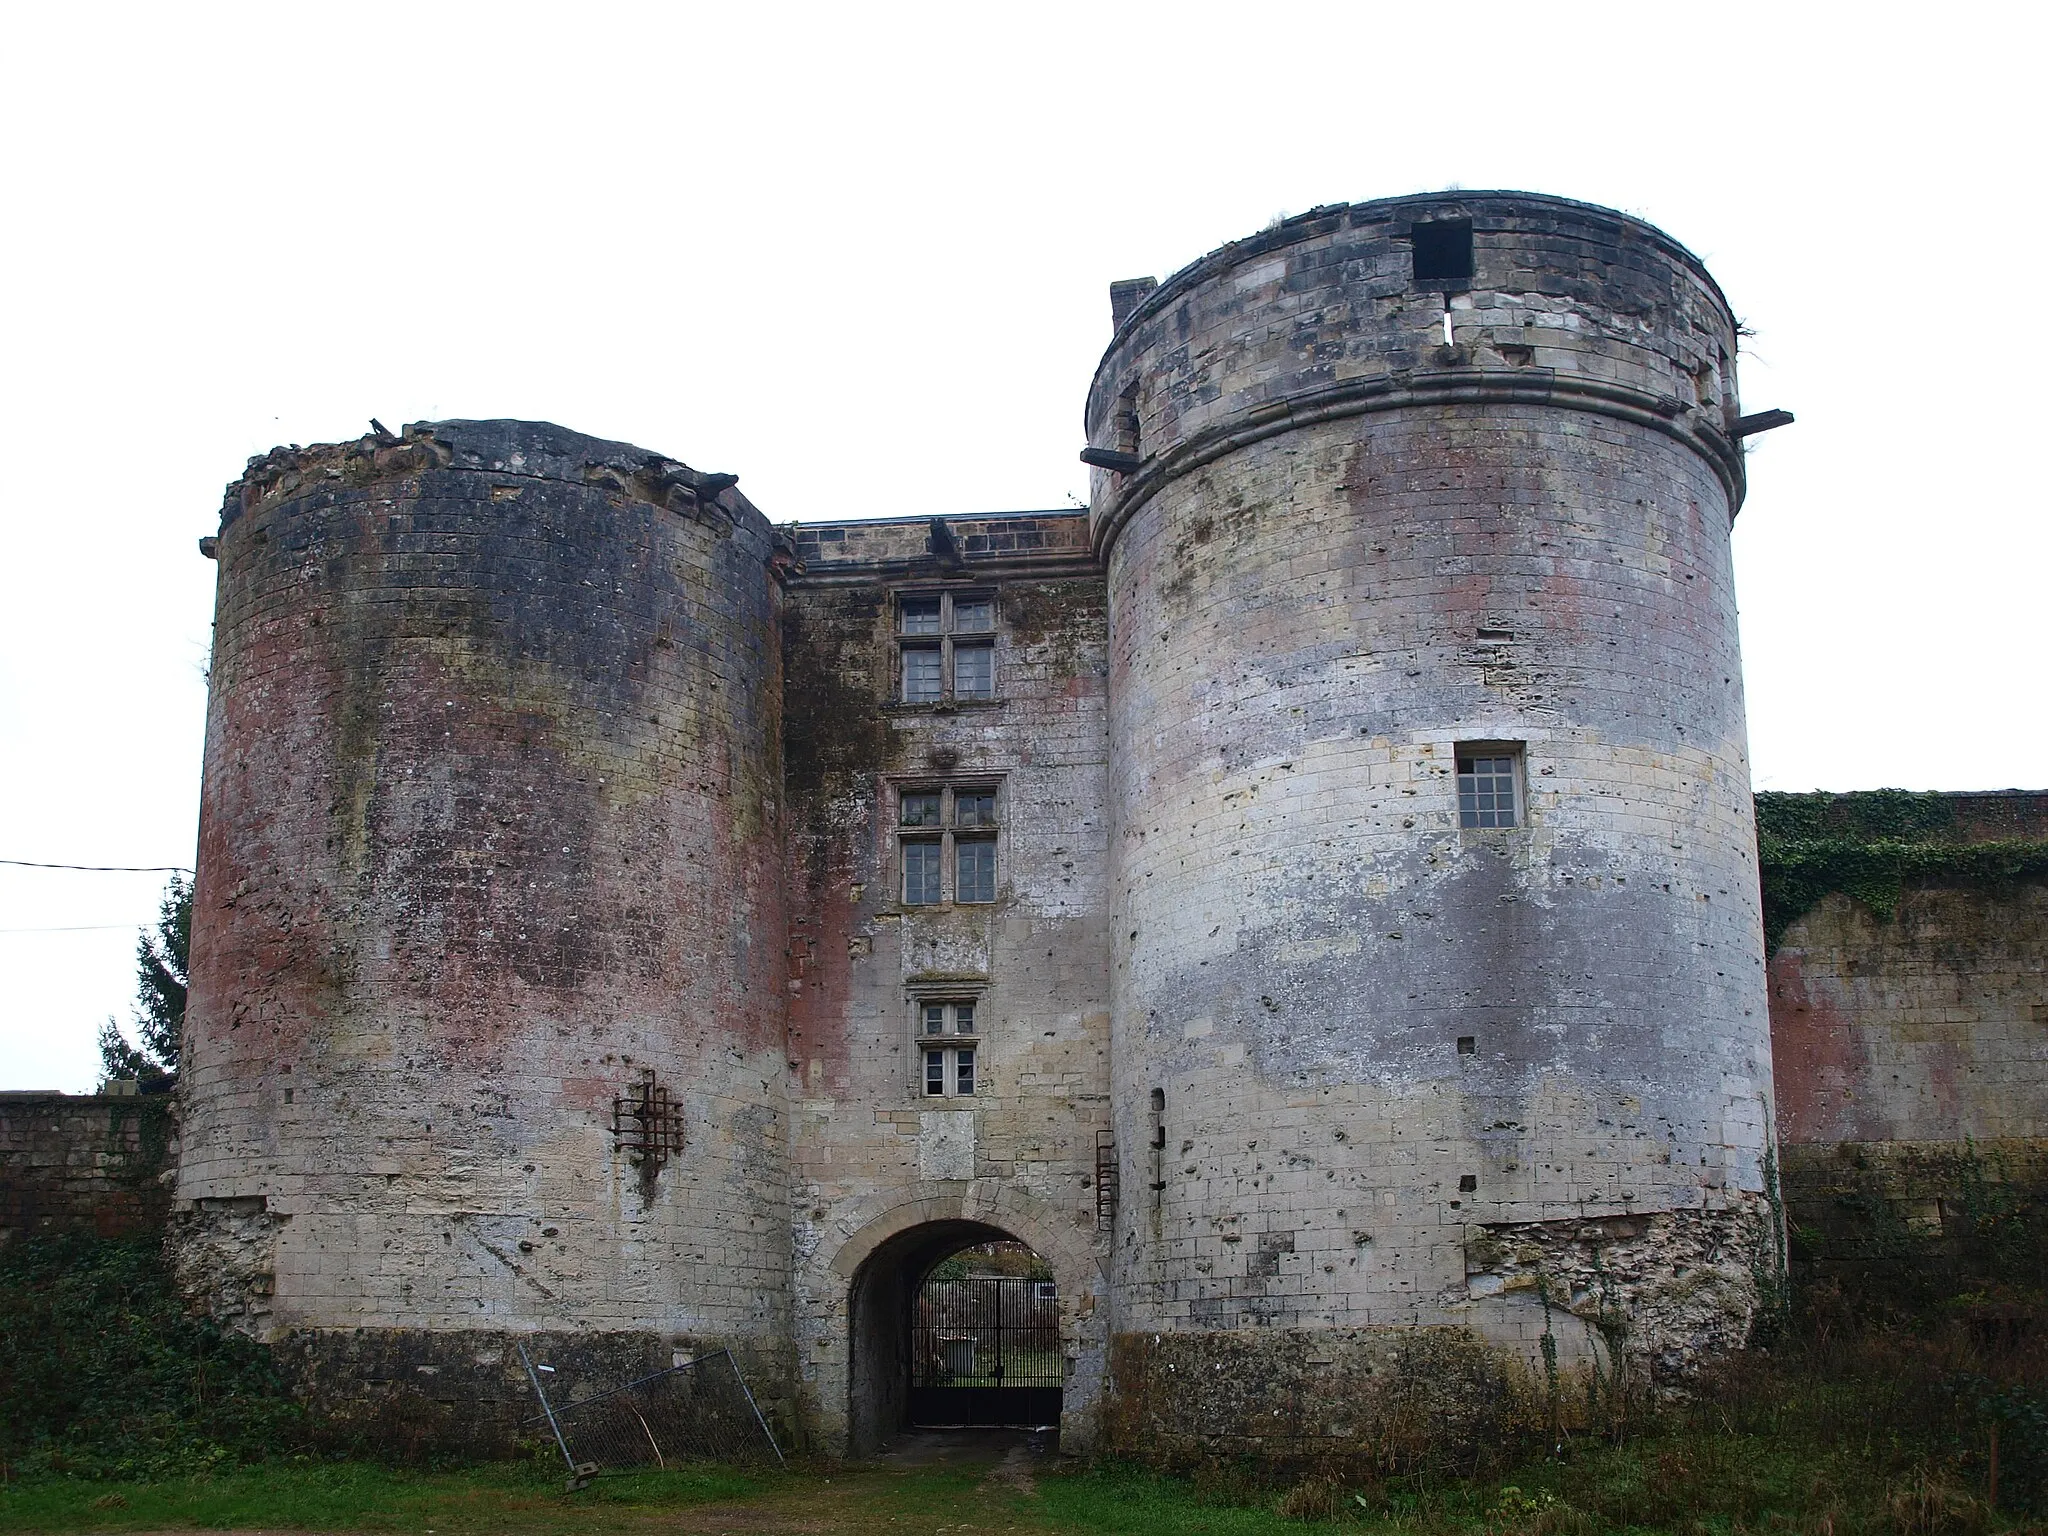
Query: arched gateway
x=1022, y=1352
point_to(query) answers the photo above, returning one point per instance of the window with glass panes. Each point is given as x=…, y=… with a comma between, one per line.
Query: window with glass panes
x=923, y=866
x=948, y=1044
x=1489, y=793
x=947, y=838
x=947, y=645
x=974, y=869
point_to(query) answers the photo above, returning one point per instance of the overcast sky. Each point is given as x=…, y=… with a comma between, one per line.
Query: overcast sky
x=859, y=255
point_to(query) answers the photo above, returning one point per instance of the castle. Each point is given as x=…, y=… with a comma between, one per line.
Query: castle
x=1309, y=896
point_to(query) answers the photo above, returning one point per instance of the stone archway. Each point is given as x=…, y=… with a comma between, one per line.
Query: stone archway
x=878, y=1314
x=859, y=1292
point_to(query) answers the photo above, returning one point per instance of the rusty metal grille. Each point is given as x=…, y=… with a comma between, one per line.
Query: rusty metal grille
x=648, y=1122
x=1105, y=1181
x=698, y=1411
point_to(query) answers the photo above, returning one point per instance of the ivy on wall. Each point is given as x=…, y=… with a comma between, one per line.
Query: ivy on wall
x=1874, y=844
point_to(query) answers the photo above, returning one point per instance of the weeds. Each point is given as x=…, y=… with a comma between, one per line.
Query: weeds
x=103, y=1375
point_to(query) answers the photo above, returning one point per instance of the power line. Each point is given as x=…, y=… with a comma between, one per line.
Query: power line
x=83, y=928
x=107, y=869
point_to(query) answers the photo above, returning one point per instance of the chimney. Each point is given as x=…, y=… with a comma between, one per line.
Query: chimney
x=1125, y=296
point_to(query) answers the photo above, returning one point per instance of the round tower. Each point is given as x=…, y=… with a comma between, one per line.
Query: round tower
x=485, y=1023
x=1438, y=984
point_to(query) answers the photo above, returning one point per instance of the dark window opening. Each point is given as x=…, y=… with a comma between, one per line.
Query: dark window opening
x=1467, y=1183
x=1467, y=1045
x=1443, y=251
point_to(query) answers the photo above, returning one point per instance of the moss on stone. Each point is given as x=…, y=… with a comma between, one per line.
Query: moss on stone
x=1874, y=844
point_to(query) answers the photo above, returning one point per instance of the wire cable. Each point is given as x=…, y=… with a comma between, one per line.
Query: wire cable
x=82, y=928
x=106, y=869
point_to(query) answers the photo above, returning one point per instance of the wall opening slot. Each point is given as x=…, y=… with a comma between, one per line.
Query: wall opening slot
x=1443, y=251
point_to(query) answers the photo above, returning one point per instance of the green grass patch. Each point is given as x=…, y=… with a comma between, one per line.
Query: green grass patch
x=357, y=1496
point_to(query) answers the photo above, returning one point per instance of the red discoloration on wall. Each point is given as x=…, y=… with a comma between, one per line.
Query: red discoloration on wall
x=1814, y=1054
x=823, y=924
x=491, y=820
x=1920, y=1027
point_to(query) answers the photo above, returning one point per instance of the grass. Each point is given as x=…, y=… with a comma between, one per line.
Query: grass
x=365, y=1497
x=356, y=1497
x=1684, y=1478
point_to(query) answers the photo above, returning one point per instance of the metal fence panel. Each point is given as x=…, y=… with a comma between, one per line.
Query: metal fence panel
x=701, y=1410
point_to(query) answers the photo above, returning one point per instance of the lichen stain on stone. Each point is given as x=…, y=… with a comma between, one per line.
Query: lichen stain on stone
x=1373, y=1401
x=834, y=731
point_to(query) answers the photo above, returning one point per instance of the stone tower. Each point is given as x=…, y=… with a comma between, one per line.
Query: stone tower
x=1308, y=898
x=1438, y=964
x=485, y=1023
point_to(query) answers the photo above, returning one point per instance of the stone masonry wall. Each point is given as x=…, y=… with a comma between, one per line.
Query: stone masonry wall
x=876, y=1156
x=490, y=832
x=1928, y=1026
x=1912, y=1057
x=1383, y=1051
x=84, y=1163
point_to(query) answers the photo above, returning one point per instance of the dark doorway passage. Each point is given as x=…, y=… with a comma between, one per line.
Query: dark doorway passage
x=953, y=1323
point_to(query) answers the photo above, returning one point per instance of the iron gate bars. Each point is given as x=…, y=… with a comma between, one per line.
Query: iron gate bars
x=988, y=1331
x=986, y=1350
x=701, y=1410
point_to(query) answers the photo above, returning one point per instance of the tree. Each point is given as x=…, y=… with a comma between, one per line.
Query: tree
x=162, y=955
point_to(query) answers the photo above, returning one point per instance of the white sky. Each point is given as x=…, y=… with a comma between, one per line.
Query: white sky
x=860, y=255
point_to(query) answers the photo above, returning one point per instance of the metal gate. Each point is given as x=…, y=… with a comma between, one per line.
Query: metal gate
x=986, y=1350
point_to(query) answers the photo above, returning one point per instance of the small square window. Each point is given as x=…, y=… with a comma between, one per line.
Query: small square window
x=974, y=671
x=924, y=674
x=1489, y=793
x=1443, y=251
x=973, y=615
x=974, y=808
x=921, y=615
x=921, y=863
x=975, y=874
x=945, y=1018
x=921, y=809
